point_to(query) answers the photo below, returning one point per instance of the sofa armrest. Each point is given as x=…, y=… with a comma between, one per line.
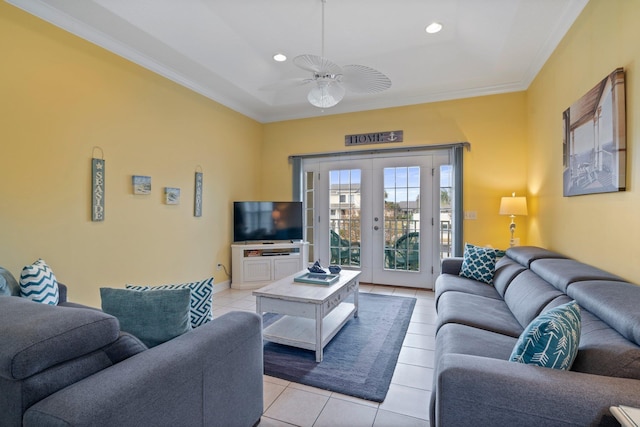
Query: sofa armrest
x=476, y=391
x=209, y=376
x=62, y=293
x=451, y=265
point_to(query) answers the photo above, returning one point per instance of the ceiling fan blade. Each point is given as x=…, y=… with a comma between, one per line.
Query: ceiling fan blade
x=361, y=79
x=317, y=64
x=288, y=83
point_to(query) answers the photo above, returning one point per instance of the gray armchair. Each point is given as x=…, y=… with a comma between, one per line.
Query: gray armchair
x=71, y=366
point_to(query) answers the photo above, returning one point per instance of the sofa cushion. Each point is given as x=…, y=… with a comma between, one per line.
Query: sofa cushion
x=8, y=284
x=506, y=270
x=551, y=340
x=448, y=282
x=463, y=339
x=39, y=284
x=60, y=333
x=478, y=263
x=616, y=303
x=603, y=351
x=152, y=317
x=563, y=272
x=525, y=255
x=201, y=298
x=527, y=295
x=479, y=312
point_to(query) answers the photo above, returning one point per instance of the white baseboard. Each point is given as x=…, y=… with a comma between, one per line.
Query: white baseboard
x=219, y=287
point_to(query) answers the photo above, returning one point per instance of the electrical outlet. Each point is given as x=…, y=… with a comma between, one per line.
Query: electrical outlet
x=219, y=266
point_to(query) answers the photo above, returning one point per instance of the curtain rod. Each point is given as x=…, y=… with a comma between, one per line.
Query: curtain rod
x=466, y=145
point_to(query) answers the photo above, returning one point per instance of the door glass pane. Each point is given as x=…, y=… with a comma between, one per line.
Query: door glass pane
x=446, y=214
x=402, y=218
x=344, y=216
x=309, y=213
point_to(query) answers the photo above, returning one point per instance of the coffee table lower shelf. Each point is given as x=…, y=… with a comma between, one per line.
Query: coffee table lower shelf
x=301, y=332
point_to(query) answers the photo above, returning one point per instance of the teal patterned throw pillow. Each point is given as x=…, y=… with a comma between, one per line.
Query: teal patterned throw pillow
x=551, y=340
x=478, y=263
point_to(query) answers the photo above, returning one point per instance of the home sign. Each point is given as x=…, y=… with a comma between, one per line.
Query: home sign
x=373, y=138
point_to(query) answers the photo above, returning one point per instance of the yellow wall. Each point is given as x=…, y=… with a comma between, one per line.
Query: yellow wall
x=59, y=97
x=602, y=229
x=495, y=166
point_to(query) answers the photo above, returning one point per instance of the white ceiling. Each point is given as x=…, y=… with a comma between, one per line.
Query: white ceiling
x=223, y=49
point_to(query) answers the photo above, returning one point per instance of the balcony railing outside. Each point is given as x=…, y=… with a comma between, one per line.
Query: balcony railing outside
x=402, y=243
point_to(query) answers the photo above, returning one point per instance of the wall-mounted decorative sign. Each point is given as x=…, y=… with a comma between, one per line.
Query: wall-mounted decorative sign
x=374, y=138
x=197, y=200
x=594, y=140
x=141, y=184
x=172, y=195
x=97, y=187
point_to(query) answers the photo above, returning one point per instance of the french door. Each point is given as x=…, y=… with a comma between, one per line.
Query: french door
x=381, y=216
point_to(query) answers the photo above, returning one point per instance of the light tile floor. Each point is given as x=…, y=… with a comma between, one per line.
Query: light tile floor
x=407, y=403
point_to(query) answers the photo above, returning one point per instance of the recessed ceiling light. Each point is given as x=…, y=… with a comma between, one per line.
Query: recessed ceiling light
x=279, y=57
x=433, y=28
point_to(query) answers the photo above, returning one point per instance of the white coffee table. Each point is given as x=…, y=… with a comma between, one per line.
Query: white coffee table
x=627, y=416
x=313, y=314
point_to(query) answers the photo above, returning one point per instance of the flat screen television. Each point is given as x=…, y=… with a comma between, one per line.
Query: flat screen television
x=267, y=221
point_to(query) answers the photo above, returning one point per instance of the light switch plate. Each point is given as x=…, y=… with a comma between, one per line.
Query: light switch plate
x=470, y=215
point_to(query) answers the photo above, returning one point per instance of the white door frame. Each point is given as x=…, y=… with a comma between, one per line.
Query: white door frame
x=382, y=275
x=428, y=239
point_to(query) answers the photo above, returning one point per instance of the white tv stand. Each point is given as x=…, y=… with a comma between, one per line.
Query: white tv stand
x=253, y=265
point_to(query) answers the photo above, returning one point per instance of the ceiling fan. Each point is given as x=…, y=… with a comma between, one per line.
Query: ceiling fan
x=330, y=81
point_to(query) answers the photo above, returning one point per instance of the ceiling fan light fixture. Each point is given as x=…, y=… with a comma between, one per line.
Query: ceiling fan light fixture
x=329, y=82
x=279, y=57
x=433, y=28
x=326, y=94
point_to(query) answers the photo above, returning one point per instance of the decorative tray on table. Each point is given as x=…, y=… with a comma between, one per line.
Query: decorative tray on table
x=317, y=278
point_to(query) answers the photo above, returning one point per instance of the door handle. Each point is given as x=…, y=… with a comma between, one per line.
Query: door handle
x=376, y=228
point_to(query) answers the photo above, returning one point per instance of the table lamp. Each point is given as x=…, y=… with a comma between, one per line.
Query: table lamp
x=513, y=206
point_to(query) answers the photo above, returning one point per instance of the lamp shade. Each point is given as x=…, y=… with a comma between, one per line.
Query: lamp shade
x=513, y=206
x=326, y=94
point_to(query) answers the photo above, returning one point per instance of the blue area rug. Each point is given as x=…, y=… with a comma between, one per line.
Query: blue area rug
x=359, y=361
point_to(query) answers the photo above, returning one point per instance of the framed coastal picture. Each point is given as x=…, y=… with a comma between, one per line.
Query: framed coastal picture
x=172, y=195
x=197, y=200
x=141, y=184
x=594, y=139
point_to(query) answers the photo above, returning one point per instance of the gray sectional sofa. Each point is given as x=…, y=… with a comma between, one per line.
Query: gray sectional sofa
x=71, y=366
x=475, y=384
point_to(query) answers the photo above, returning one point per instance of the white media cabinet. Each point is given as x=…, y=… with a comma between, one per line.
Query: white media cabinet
x=253, y=265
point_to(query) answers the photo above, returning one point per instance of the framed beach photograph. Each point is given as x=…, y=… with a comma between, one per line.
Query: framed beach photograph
x=141, y=184
x=594, y=139
x=172, y=195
